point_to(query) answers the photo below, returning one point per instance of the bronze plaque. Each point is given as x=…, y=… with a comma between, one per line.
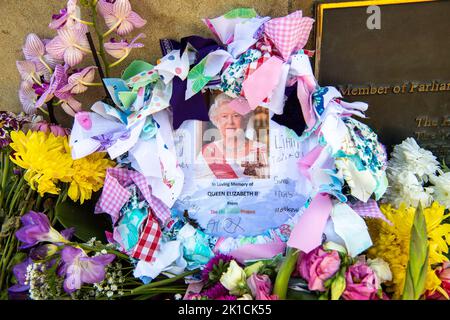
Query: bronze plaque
x=402, y=69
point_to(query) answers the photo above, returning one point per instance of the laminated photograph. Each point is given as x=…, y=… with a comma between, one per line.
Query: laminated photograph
x=238, y=170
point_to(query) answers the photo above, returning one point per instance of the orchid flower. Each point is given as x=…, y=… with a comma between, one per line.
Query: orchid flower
x=34, y=50
x=67, y=17
x=58, y=81
x=79, y=81
x=79, y=268
x=28, y=97
x=70, y=105
x=71, y=44
x=36, y=228
x=119, y=17
x=29, y=72
x=121, y=50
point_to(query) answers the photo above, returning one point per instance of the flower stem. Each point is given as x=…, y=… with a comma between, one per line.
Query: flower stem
x=145, y=287
x=281, y=282
x=82, y=21
x=114, y=27
x=101, y=43
x=116, y=63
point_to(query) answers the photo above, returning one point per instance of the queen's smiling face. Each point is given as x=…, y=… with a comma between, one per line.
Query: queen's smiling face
x=229, y=122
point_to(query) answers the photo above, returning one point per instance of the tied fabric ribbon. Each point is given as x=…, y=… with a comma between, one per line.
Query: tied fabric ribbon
x=149, y=240
x=115, y=194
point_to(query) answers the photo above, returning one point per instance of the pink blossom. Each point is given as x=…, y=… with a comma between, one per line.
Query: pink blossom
x=34, y=50
x=31, y=72
x=46, y=127
x=122, y=49
x=119, y=16
x=27, y=97
x=67, y=16
x=261, y=287
x=71, y=44
x=77, y=82
x=361, y=283
x=318, y=266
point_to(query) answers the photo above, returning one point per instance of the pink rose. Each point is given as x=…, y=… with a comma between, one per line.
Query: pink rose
x=318, y=266
x=362, y=283
x=261, y=287
x=443, y=272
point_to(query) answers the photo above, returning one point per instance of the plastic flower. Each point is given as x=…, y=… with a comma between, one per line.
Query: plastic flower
x=391, y=242
x=88, y=176
x=70, y=45
x=441, y=189
x=79, y=268
x=121, y=50
x=78, y=82
x=409, y=156
x=261, y=287
x=405, y=187
x=381, y=269
x=318, y=266
x=361, y=283
x=44, y=159
x=234, y=279
x=68, y=16
x=119, y=16
x=36, y=228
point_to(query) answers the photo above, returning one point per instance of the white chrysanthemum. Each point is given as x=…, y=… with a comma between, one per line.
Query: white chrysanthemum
x=409, y=156
x=441, y=188
x=406, y=188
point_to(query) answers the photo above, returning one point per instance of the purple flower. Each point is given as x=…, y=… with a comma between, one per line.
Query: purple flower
x=219, y=261
x=43, y=251
x=119, y=16
x=78, y=82
x=28, y=97
x=216, y=291
x=70, y=45
x=31, y=72
x=120, y=50
x=9, y=122
x=227, y=297
x=20, y=272
x=36, y=228
x=67, y=17
x=34, y=50
x=79, y=268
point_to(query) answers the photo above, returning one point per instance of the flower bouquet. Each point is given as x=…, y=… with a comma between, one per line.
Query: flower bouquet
x=108, y=209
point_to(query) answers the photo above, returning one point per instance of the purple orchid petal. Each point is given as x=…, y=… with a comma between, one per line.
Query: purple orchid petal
x=120, y=15
x=59, y=20
x=71, y=106
x=27, y=98
x=75, y=82
x=27, y=70
x=34, y=47
x=58, y=81
x=120, y=49
x=65, y=18
x=66, y=45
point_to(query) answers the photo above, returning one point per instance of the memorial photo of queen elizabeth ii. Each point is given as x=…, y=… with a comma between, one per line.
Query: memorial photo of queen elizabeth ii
x=234, y=145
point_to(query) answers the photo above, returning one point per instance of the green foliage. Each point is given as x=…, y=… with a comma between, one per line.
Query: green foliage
x=416, y=271
x=87, y=224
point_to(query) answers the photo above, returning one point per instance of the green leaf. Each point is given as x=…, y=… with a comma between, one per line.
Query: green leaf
x=416, y=271
x=240, y=13
x=287, y=267
x=337, y=287
x=82, y=218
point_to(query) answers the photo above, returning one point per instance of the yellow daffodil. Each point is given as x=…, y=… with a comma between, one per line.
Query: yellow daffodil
x=391, y=242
